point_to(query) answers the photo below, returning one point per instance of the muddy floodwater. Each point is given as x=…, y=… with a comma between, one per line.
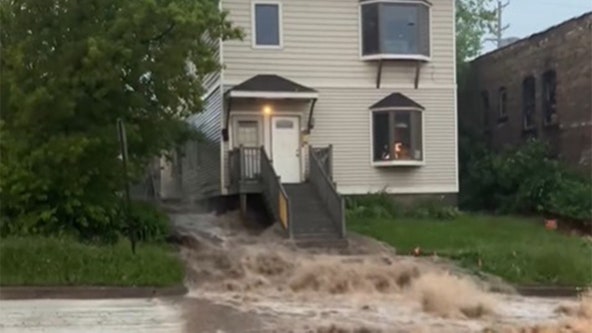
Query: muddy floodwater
x=270, y=285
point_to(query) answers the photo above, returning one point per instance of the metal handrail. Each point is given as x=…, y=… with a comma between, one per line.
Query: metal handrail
x=326, y=189
x=275, y=193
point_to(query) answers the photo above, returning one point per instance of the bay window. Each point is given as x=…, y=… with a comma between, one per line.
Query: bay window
x=397, y=136
x=394, y=30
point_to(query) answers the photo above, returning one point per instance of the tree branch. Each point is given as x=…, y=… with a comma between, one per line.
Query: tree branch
x=159, y=36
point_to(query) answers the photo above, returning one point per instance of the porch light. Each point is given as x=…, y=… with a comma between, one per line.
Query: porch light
x=267, y=110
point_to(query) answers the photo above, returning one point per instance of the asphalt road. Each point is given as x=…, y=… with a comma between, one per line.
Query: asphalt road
x=180, y=315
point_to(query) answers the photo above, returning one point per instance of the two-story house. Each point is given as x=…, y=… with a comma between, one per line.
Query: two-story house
x=346, y=97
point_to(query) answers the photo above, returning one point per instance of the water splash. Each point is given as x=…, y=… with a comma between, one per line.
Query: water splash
x=364, y=289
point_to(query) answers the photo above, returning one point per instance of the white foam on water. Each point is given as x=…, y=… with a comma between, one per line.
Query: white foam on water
x=369, y=287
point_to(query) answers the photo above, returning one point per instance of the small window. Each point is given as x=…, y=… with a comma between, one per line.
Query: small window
x=392, y=30
x=397, y=136
x=528, y=102
x=248, y=133
x=267, y=25
x=486, y=108
x=549, y=97
x=284, y=124
x=503, y=104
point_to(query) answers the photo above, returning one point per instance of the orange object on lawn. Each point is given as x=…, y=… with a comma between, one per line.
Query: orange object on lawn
x=551, y=224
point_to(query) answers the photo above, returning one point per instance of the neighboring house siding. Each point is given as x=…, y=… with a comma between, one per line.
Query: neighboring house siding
x=321, y=47
x=201, y=165
x=342, y=119
x=213, y=79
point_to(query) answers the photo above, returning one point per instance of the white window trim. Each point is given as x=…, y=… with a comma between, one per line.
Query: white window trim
x=393, y=56
x=395, y=163
x=254, y=44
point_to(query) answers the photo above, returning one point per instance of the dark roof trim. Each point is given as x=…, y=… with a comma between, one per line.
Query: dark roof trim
x=534, y=36
x=271, y=83
x=397, y=101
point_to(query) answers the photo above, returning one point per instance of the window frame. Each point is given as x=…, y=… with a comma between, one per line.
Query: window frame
x=502, y=104
x=396, y=163
x=254, y=44
x=485, y=108
x=546, y=103
x=392, y=56
x=531, y=106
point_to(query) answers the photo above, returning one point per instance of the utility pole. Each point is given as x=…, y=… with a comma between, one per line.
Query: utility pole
x=500, y=27
x=124, y=158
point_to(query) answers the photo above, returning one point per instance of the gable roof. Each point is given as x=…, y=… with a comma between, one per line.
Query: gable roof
x=272, y=83
x=398, y=101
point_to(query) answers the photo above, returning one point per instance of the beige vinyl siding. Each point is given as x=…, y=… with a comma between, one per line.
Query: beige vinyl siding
x=322, y=47
x=342, y=118
x=201, y=165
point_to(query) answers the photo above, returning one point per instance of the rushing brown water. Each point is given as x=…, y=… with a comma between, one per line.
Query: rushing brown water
x=366, y=288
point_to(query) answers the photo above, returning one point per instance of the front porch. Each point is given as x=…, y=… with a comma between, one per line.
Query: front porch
x=249, y=166
x=268, y=120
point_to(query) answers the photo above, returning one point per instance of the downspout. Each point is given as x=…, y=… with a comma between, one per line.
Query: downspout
x=311, y=115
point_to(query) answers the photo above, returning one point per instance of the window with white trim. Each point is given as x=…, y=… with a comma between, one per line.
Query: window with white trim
x=393, y=29
x=267, y=30
x=397, y=135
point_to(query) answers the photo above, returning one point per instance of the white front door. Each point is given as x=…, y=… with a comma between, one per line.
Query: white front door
x=285, y=148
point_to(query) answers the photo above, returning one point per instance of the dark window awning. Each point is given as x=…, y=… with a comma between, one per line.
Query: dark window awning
x=396, y=101
x=272, y=87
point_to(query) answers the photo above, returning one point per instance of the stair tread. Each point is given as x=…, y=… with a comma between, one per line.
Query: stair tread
x=312, y=222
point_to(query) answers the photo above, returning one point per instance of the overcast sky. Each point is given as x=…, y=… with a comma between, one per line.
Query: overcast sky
x=527, y=17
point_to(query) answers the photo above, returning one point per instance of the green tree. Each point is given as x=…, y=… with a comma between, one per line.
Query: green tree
x=69, y=70
x=474, y=20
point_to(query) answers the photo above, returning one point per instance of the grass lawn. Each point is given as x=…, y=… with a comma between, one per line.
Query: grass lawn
x=516, y=249
x=36, y=261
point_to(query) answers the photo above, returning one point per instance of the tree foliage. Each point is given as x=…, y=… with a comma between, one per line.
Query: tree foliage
x=69, y=70
x=474, y=20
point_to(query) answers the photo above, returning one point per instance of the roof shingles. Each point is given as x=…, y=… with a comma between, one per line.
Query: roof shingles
x=271, y=83
x=397, y=100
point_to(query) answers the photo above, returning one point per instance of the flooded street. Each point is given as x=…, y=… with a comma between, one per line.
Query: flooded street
x=243, y=281
x=365, y=288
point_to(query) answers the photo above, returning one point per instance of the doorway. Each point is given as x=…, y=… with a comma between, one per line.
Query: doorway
x=285, y=144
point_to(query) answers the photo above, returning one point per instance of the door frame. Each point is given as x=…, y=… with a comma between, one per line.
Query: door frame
x=298, y=118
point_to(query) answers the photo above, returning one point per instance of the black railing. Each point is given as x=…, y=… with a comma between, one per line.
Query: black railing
x=275, y=193
x=325, y=187
x=244, y=165
x=325, y=157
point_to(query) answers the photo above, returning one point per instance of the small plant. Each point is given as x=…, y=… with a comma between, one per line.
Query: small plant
x=373, y=205
x=433, y=209
x=149, y=224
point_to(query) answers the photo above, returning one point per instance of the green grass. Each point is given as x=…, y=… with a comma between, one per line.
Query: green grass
x=37, y=261
x=516, y=249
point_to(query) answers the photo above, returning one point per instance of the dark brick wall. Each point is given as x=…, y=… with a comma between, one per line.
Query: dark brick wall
x=567, y=49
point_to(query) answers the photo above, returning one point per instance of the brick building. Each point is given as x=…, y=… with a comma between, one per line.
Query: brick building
x=540, y=86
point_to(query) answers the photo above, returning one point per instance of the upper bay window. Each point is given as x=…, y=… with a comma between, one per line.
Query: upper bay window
x=395, y=29
x=267, y=24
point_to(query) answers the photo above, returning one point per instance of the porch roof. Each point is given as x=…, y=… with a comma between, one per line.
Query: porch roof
x=272, y=86
x=397, y=101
